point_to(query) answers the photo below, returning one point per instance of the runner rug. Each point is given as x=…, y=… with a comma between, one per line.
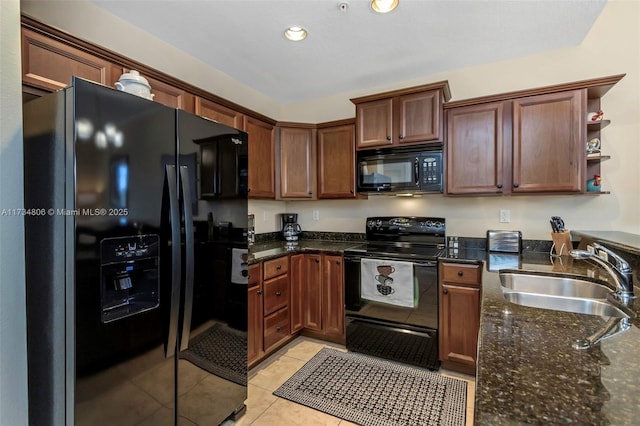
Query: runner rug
x=372, y=391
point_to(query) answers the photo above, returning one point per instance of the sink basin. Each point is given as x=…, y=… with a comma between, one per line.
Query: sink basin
x=550, y=285
x=565, y=304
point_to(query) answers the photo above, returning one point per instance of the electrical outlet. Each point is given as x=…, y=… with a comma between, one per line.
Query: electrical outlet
x=603, y=254
x=316, y=215
x=505, y=216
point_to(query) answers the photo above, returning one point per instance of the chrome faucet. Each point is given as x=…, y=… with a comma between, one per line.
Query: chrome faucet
x=616, y=266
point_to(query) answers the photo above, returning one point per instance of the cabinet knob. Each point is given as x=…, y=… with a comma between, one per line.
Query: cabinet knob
x=515, y=185
x=388, y=138
x=445, y=291
x=499, y=186
x=279, y=267
x=278, y=329
x=351, y=191
x=337, y=262
x=278, y=293
x=317, y=260
x=259, y=292
x=248, y=189
x=460, y=273
x=310, y=193
x=401, y=136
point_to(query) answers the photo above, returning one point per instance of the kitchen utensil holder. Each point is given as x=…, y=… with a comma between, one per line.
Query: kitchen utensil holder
x=561, y=243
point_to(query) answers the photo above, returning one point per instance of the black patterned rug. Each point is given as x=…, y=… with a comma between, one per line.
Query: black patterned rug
x=221, y=351
x=372, y=391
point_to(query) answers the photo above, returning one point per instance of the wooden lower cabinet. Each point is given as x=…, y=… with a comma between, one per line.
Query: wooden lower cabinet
x=323, y=295
x=256, y=316
x=333, y=298
x=290, y=295
x=459, y=323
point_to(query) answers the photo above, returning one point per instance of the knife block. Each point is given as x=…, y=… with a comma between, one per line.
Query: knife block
x=561, y=242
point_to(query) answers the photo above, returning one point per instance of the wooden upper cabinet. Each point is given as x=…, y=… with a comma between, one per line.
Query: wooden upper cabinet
x=374, y=123
x=49, y=64
x=336, y=162
x=475, y=149
x=549, y=142
x=401, y=117
x=261, y=158
x=418, y=118
x=525, y=145
x=219, y=113
x=297, y=163
x=163, y=93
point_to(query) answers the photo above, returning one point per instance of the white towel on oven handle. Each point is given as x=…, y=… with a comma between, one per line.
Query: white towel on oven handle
x=401, y=291
x=238, y=266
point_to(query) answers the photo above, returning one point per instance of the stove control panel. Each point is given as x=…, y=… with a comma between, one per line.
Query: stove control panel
x=398, y=225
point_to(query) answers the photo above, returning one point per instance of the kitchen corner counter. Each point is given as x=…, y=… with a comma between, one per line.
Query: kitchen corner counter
x=274, y=249
x=528, y=370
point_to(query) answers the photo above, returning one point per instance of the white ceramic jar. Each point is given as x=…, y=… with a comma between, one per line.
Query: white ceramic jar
x=132, y=82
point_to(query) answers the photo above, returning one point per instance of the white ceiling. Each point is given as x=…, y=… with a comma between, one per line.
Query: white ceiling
x=358, y=48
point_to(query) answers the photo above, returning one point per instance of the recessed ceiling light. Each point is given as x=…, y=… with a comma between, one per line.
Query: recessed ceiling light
x=384, y=6
x=295, y=33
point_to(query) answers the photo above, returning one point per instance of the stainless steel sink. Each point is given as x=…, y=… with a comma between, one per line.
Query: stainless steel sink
x=565, y=304
x=553, y=285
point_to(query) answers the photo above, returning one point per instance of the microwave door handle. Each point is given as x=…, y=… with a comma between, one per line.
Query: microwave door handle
x=416, y=170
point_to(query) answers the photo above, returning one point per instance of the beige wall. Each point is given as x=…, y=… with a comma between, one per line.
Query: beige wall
x=611, y=47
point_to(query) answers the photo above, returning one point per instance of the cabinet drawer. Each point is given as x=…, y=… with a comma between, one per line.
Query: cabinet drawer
x=276, y=327
x=462, y=273
x=276, y=294
x=254, y=275
x=275, y=267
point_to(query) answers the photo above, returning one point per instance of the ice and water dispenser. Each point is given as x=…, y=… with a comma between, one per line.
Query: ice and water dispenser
x=130, y=276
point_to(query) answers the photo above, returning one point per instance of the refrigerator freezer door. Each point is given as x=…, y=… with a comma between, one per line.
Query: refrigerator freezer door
x=120, y=146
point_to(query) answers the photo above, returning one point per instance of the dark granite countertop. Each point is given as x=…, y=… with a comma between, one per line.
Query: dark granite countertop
x=613, y=239
x=528, y=370
x=271, y=250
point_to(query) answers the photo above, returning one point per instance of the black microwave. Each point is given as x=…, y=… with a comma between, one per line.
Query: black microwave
x=400, y=170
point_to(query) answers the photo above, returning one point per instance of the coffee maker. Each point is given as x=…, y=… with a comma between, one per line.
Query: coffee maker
x=290, y=227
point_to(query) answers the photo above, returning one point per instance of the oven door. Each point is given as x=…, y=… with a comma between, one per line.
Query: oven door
x=399, y=333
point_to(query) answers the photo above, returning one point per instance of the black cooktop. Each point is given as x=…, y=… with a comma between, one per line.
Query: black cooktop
x=398, y=250
x=408, y=237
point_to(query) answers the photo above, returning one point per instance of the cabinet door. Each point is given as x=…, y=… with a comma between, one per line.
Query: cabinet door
x=221, y=114
x=255, y=322
x=333, y=297
x=459, y=325
x=374, y=123
x=549, y=142
x=336, y=162
x=297, y=282
x=261, y=158
x=418, y=117
x=169, y=95
x=49, y=64
x=313, y=292
x=297, y=160
x=475, y=149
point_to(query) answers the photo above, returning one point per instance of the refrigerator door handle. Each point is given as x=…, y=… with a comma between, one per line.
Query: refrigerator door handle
x=171, y=196
x=189, y=257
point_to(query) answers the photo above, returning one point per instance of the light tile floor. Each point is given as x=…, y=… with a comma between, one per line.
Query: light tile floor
x=265, y=409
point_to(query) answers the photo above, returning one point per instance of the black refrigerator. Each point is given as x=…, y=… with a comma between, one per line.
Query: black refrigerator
x=132, y=311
